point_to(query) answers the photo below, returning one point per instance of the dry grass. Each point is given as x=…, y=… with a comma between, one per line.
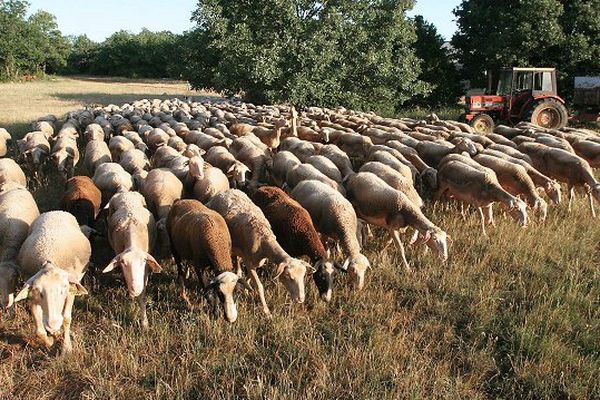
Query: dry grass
x=515, y=315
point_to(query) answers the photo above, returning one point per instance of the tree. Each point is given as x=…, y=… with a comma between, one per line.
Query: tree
x=438, y=68
x=353, y=53
x=493, y=34
x=82, y=55
x=12, y=33
x=48, y=48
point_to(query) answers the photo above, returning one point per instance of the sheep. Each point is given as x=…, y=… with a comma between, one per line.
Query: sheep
x=161, y=189
x=4, y=137
x=295, y=232
x=203, y=140
x=177, y=143
x=302, y=172
x=94, y=132
x=428, y=174
x=254, y=242
x=335, y=219
x=511, y=152
x=433, y=152
x=499, y=139
x=255, y=158
x=35, y=149
x=134, y=161
x=270, y=136
x=82, y=199
x=111, y=178
x=354, y=145
x=199, y=234
x=378, y=203
x=209, y=182
x=96, y=152
x=479, y=188
x=65, y=155
x=156, y=138
x=136, y=139
x=53, y=259
x=191, y=150
x=564, y=167
x=325, y=166
x=300, y=148
x=11, y=172
x=339, y=158
x=395, y=179
x=47, y=127
x=118, y=145
x=221, y=158
x=515, y=180
x=18, y=210
x=283, y=161
x=550, y=186
x=589, y=151
x=131, y=234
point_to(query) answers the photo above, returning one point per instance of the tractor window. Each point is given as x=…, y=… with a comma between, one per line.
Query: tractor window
x=542, y=82
x=523, y=81
x=504, y=83
x=547, y=82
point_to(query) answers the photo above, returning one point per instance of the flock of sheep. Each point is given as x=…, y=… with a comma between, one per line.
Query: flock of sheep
x=218, y=184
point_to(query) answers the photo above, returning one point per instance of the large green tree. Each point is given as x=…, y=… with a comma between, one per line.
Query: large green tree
x=438, y=67
x=561, y=34
x=338, y=52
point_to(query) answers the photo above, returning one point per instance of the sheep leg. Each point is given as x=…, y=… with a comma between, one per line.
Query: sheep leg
x=396, y=237
x=181, y=277
x=40, y=330
x=591, y=199
x=144, y=316
x=571, y=195
x=261, y=291
x=490, y=216
x=67, y=346
x=482, y=221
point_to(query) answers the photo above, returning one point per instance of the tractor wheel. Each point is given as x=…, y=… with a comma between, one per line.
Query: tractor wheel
x=548, y=113
x=483, y=123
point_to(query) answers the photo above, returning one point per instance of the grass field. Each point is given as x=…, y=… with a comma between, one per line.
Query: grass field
x=512, y=316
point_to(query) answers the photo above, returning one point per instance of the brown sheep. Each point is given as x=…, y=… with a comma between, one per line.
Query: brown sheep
x=200, y=235
x=82, y=199
x=295, y=232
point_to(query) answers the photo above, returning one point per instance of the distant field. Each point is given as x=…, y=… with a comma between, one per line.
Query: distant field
x=21, y=103
x=512, y=316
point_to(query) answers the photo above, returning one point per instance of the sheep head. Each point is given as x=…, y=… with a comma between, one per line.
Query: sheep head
x=291, y=273
x=47, y=291
x=135, y=264
x=357, y=267
x=437, y=241
x=323, y=278
x=518, y=211
x=224, y=284
x=552, y=189
x=238, y=172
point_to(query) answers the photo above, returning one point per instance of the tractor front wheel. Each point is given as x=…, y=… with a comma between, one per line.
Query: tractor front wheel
x=549, y=114
x=483, y=123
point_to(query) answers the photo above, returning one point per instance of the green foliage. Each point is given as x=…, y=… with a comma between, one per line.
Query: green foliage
x=561, y=34
x=353, y=53
x=29, y=45
x=438, y=68
x=83, y=53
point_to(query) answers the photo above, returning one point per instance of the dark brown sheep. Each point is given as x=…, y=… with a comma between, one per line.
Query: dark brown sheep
x=82, y=199
x=200, y=235
x=295, y=232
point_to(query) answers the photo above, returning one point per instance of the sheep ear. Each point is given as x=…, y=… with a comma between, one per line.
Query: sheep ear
x=77, y=289
x=231, y=169
x=280, y=269
x=113, y=263
x=153, y=264
x=23, y=294
x=346, y=264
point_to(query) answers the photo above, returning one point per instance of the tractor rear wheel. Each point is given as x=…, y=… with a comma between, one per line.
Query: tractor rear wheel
x=549, y=114
x=483, y=123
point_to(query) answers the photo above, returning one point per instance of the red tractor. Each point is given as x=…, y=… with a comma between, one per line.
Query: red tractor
x=518, y=94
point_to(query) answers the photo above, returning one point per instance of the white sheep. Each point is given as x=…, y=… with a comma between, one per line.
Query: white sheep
x=111, y=178
x=4, y=137
x=11, y=172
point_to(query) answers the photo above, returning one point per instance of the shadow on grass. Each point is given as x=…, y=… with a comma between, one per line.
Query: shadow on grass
x=118, y=79
x=98, y=98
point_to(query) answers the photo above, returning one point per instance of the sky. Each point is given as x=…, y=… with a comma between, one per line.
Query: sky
x=99, y=19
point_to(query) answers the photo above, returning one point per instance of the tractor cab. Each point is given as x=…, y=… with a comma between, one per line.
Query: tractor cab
x=517, y=94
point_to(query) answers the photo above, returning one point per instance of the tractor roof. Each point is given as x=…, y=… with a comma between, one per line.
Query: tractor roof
x=528, y=69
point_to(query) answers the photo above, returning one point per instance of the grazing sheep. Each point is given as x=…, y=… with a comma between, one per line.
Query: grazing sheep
x=428, y=174
x=209, y=182
x=118, y=145
x=325, y=166
x=136, y=139
x=82, y=199
x=303, y=172
x=65, y=155
x=296, y=233
x=111, y=178
x=17, y=211
x=395, y=179
x=515, y=180
x=11, y=172
x=271, y=137
x=589, y=151
x=131, y=234
x=156, y=138
x=479, y=188
x=380, y=204
x=35, y=149
x=388, y=159
x=161, y=189
x=433, y=152
x=96, y=152
x=134, y=161
x=550, y=186
x=255, y=158
x=511, y=152
x=200, y=235
x=4, y=137
x=177, y=143
x=354, y=145
x=335, y=219
x=300, y=148
x=339, y=158
x=235, y=170
x=255, y=243
x=564, y=167
x=52, y=260
x=283, y=161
